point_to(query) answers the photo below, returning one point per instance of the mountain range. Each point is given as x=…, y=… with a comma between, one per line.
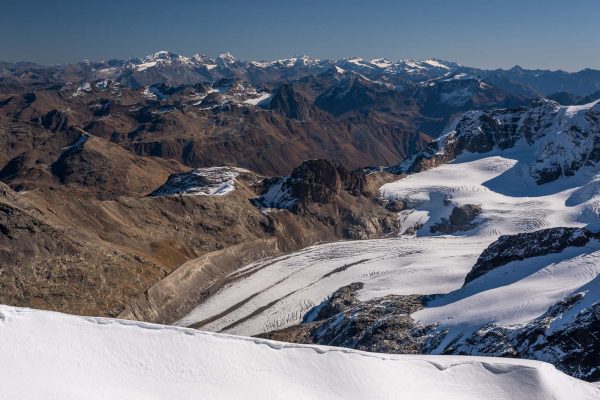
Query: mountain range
x=174, y=70
x=414, y=207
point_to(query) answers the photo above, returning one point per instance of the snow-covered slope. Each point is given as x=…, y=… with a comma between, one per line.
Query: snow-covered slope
x=554, y=140
x=528, y=168
x=510, y=200
x=478, y=182
x=277, y=293
x=274, y=294
x=55, y=356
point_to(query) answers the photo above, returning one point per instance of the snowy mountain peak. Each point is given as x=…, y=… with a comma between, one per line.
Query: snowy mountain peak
x=163, y=55
x=436, y=63
x=201, y=58
x=160, y=54
x=562, y=138
x=381, y=62
x=227, y=58
x=355, y=62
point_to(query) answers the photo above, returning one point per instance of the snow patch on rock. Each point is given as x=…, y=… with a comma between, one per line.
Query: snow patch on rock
x=213, y=181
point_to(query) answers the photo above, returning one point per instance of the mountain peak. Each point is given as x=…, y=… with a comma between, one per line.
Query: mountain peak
x=227, y=58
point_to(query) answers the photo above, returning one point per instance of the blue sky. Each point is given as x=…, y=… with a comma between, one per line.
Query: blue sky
x=486, y=33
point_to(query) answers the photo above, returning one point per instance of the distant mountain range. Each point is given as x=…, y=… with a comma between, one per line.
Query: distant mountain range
x=174, y=69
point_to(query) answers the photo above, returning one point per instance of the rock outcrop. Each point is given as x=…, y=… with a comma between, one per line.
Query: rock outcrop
x=566, y=335
x=525, y=245
x=462, y=218
x=381, y=325
x=327, y=192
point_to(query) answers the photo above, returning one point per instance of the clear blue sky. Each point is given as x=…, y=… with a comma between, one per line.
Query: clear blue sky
x=551, y=34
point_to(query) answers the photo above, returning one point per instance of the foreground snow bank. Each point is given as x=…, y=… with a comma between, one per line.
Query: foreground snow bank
x=48, y=355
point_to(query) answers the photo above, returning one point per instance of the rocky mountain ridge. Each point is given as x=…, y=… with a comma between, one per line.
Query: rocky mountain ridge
x=560, y=140
x=174, y=69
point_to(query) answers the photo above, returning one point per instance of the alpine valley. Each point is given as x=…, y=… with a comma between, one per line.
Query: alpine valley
x=298, y=228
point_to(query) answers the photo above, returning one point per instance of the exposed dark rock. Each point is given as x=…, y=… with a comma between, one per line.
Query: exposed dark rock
x=331, y=194
x=395, y=206
x=320, y=180
x=461, y=219
x=29, y=97
x=525, y=245
x=54, y=120
x=380, y=325
x=571, y=345
x=343, y=299
x=290, y=103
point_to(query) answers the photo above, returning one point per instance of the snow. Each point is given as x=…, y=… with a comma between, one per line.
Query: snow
x=278, y=292
x=502, y=183
x=435, y=63
x=227, y=58
x=153, y=93
x=211, y=181
x=82, y=89
x=145, y=66
x=456, y=77
x=278, y=196
x=571, y=111
x=358, y=62
x=381, y=62
x=263, y=98
x=263, y=64
x=51, y=356
x=511, y=201
x=110, y=72
x=103, y=85
x=413, y=64
x=498, y=296
x=162, y=58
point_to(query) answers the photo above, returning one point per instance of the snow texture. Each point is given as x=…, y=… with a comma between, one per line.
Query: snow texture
x=50, y=356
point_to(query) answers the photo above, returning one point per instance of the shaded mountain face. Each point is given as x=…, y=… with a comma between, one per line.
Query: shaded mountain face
x=556, y=140
x=570, y=99
x=289, y=103
x=546, y=82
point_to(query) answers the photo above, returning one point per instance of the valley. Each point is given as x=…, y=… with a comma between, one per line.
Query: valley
x=190, y=215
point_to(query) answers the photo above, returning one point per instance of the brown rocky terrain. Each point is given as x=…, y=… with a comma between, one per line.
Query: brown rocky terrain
x=82, y=236
x=83, y=153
